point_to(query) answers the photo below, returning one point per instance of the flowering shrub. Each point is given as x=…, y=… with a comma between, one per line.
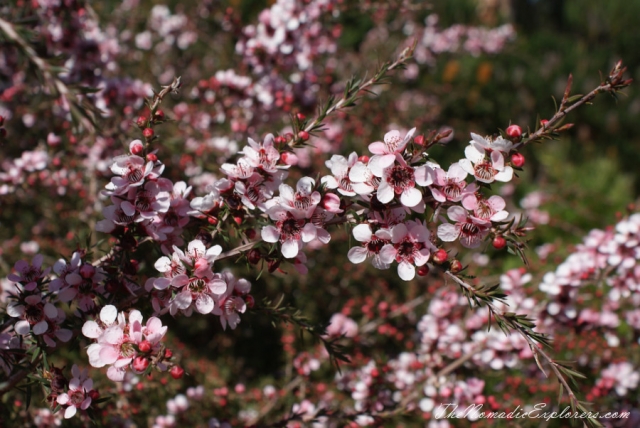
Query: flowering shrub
x=175, y=217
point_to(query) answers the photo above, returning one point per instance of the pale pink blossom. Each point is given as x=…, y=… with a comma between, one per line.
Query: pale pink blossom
x=485, y=170
x=470, y=230
x=410, y=247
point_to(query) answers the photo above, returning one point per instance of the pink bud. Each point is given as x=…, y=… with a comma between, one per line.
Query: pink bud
x=144, y=346
x=140, y=364
x=303, y=135
x=364, y=159
x=517, y=159
x=289, y=158
x=152, y=157
x=331, y=203
x=53, y=140
x=440, y=256
x=148, y=133
x=176, y=372
x=514, y=132
x=136, y=147
x=499, y=242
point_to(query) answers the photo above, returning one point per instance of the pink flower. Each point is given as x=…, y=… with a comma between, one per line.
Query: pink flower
x=262, y=155
x=341, y=325
x=400, y=179
x=470, y=230
x=231, y=302
x=132, y=171
x=301, y=203
x=491, y=144
x=385, y=153
x=29, y=274
x=77, y=397
x=409, y=247
x=340, y=168
x=117, y=341
x=485, y=170
x=291, y=232
x=371, y=245
x=450, y=186
x=486, y=209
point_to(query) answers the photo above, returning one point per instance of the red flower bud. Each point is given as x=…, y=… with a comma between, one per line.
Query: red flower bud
x=136, y=147
x=251, y=233
x=303, y=135
x=140, y=364
x=176, y=372
x=148, y=133
x=419, y=140
x=440, y=256
x=141, y=122
x=301, y=116
x=456, y=266
x=168, y=353
x=152, y=157
x=279, y=140
x=499, y=242
x=254, y=256
x=144, y=346
x=517, y=159
x=250, y=301
x=364, y=159
x=544, y=122
x=423, y=270
x=514, y=132
x=158, y=116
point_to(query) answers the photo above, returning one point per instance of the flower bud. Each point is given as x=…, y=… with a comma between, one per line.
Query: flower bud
x=301, y=116
x=419, y=140
x=250, y=301
x=168, y=353
x=94, y=394
x=517, y=160
x=141, y=122
x=303, y=135
x=254, y=256
x=152, y=157
x=136, y=147
x=279, y=140
x=440, y=256
x=148, y=133
x=158, y=116
x=144, y=346
x=364, y=159
x=544, y=122
x=251, y=233
x=140, y=364
x=499, y=242
x=423, y=270
x=289, y=158
x=176, y=372
x=456, y=266
x=331, y=203
x=53, y=139
x=514, y=132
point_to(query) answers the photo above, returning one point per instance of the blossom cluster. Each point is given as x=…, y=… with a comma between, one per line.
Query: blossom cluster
x=123, y=343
